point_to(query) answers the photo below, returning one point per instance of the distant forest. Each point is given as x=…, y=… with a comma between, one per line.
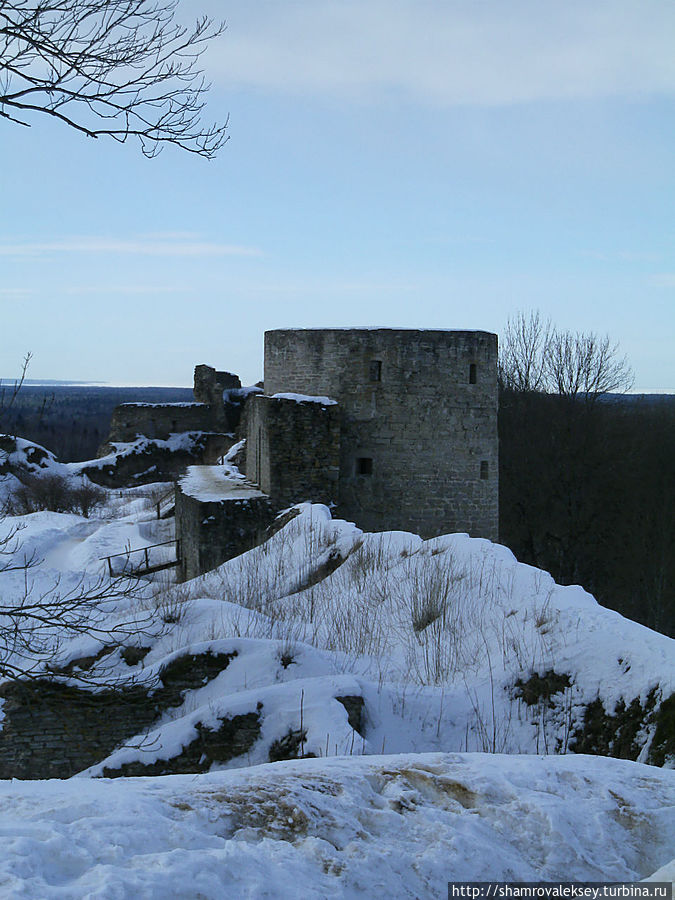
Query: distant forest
x=587, y=490
x=73, y=422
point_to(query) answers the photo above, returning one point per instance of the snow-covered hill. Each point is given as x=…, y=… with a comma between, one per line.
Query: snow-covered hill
x=337, y=646
x=450, y=644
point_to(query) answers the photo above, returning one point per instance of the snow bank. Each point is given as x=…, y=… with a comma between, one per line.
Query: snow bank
x=209, y=484
x=396, y=826
x=181, y=441
x=19, y=456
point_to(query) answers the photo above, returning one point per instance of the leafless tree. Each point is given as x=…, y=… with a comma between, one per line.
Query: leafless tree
x=522, y=352
x=9, y=393
x=563, y=453
x=37, y=617
x=120, y=68
x=8, y=399
x=535, y=356
x=585, y=365
x=36, y=624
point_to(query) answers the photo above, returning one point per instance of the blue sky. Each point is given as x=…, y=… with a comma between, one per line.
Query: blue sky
x=404, y=163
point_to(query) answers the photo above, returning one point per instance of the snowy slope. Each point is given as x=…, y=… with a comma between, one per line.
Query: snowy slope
x=449, y=644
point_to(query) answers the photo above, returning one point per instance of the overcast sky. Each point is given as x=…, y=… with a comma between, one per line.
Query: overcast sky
x=403, y=163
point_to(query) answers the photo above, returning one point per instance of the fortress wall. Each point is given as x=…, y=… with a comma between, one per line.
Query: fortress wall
x=213, y=529
x=157, y=420
x=293, y=449
x=418, y=420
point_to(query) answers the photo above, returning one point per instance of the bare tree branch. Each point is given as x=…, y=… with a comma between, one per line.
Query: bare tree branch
x=534, y=356
x=118, y=68
x=35, y=625
x=522, y=351
x=37, y=620
x=585, y=365
x=8, y=395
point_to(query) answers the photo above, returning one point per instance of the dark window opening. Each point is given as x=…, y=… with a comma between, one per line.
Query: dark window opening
x=484, y=470
x=375, y=370
x=472, y=373
x=364, y=465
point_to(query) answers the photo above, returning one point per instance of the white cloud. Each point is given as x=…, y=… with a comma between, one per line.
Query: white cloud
x=453, y=52
x=124, y=289
x=156, y=245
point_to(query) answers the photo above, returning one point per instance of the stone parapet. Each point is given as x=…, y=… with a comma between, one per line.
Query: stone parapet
x=293, y=448
x=217, y=518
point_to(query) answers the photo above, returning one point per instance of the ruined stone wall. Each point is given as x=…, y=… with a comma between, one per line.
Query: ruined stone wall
x=213, y=531
x=293, y=449
x=157, y=420
x=209, y=386
x=54, y=730
x=418, y=419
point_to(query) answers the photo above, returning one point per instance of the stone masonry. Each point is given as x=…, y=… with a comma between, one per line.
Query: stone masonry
x=209, y=412
x=216, y=519
x=156, y=420
x=293, y=449
x=418, y=422
x=54, y=730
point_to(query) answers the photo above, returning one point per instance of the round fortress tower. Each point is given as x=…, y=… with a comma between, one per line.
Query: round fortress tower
x=418, y=421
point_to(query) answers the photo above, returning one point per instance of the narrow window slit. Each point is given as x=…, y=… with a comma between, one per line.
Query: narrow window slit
x=364, y=465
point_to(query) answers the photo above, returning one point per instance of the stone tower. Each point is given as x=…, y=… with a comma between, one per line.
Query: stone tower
x=417, y=414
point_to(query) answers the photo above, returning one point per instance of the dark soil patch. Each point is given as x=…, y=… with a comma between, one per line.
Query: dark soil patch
x=290, y=746
x=354, y=706
x=662, y=749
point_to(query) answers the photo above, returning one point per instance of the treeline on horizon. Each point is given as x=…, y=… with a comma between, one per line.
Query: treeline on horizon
x=587, y=490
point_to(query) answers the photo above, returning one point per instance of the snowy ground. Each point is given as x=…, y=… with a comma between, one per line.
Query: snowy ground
x=450, y=645
x=383, y=826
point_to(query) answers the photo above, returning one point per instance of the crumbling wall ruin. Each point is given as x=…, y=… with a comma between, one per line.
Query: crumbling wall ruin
x=209, y=413
x=217, y=519
x=157, y=441
x=156, y=420
x=53, y=729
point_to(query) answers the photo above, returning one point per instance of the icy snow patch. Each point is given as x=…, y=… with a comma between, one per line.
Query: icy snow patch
x=305, y=398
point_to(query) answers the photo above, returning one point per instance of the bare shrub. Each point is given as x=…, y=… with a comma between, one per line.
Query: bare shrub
x=88, y=497
x=57, y=494
x=171, y=603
